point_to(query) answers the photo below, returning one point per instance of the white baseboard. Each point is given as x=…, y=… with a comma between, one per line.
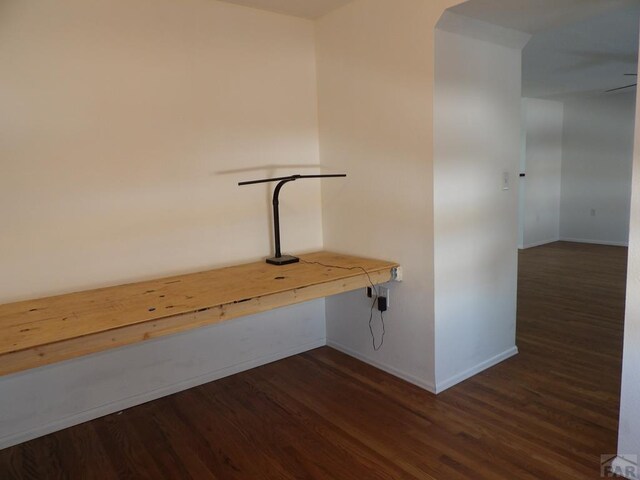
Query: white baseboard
x=450, y=382
x=540, y=243
x=129, y=402
x=594, y=242
x=387, y=368
x=625, y=468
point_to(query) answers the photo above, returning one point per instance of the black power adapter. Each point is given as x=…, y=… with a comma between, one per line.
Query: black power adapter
x=382, y=304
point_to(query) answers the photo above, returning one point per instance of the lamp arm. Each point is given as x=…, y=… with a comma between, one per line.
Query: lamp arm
x=282, y=181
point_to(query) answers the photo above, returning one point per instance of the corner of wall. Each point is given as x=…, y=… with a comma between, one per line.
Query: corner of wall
x=447, y=383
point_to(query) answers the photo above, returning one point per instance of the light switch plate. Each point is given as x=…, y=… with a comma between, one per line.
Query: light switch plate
x=505, y=181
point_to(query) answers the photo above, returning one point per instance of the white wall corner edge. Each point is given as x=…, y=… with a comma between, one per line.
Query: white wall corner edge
x=594, y=242
x=539, y=244
x=461, y=377
x=621, y=465
x=129, y=402
x=428, y=386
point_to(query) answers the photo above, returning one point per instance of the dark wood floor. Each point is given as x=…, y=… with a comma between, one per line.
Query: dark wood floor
x=547, y=413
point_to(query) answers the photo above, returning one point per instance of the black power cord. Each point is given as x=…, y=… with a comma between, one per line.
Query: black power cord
x=373, y=304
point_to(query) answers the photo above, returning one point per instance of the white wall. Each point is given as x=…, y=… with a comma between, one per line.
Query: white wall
x=578, y=159
x=629, y=429
x=375, y=87
x=543, y=124
x=119, y=119
x=375, y=80
x=596, y=169
x=477, y=140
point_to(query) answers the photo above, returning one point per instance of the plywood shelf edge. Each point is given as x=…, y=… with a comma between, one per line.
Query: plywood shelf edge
x=44, y=331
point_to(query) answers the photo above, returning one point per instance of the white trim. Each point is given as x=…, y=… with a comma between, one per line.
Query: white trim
x=129, y=402
x=539, y=244
x=428, y=386
x=621, y=463
x=594, y=242
x=442, y=386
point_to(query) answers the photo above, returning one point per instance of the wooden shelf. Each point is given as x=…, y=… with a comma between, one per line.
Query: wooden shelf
x=47, y=330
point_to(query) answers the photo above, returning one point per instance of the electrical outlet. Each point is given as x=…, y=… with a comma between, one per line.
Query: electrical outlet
x=396, y=274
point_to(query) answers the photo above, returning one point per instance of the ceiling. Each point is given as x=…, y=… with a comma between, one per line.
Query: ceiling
x=310, y=9
x=578, y=47
x=534, y=16
x=584, y=58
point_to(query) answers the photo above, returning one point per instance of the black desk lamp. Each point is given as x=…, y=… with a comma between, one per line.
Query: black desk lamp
x=279, y=259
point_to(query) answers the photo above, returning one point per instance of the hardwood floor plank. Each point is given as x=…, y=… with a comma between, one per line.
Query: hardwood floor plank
x=82, y=455
x=127, y=450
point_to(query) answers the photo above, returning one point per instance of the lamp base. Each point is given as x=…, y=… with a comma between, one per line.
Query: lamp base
x=283, y=260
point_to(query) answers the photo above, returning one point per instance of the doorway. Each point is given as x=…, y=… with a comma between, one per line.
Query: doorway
x=559, y=118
